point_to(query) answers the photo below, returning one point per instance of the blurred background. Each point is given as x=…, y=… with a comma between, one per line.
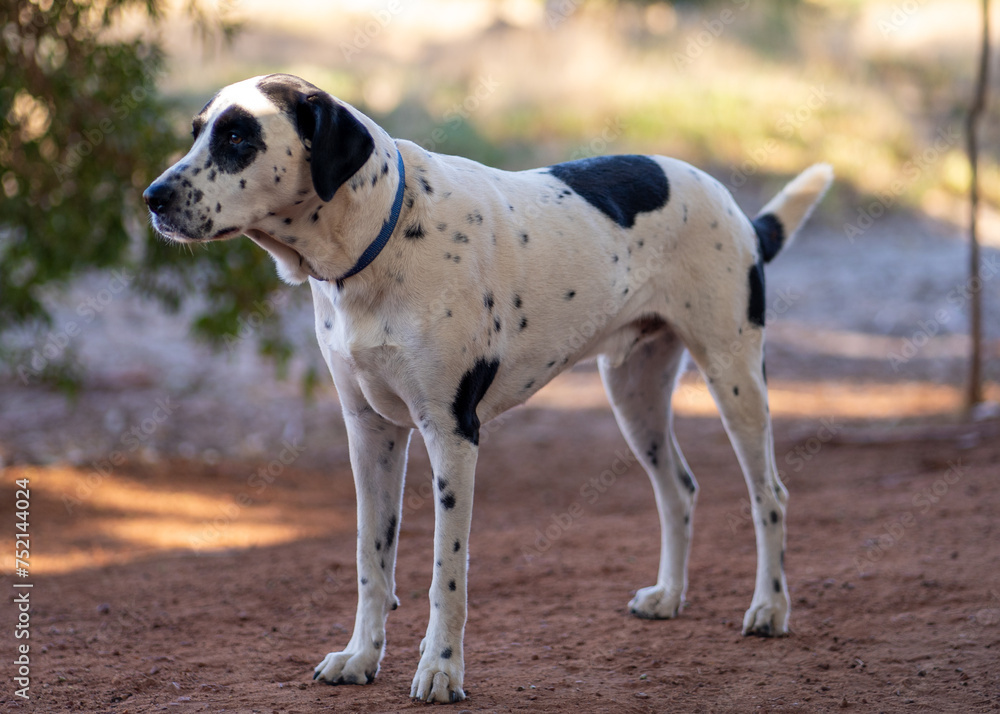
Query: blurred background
x=166, y=402
x=114, y=341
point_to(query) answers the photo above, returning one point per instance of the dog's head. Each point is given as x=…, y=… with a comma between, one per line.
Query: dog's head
x=259, y=146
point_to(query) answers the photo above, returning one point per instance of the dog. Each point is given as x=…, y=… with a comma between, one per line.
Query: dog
x=447, y=292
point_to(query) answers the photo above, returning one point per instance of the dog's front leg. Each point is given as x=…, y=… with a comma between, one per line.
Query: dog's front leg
x=441, y=671
x=378, y=459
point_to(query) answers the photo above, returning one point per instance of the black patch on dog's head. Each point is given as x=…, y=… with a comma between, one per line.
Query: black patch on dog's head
x=621, y=187
x=199, y=121
x=236, y=140
x=339, y=143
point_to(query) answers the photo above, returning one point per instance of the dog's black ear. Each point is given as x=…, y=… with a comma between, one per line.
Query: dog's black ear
x=340, y=143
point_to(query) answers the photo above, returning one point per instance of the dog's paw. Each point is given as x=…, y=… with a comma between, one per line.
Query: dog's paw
x=768, y=619
x=658, y=602
x=439, y=679
x=347, y=668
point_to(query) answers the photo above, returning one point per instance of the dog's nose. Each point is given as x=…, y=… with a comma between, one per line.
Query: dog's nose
x=158, y=196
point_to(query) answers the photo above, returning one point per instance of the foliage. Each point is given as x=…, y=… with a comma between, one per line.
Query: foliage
x=84, y=131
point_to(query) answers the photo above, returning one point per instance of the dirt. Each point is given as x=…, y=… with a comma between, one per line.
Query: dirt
x=201, y=557
x=893, y=572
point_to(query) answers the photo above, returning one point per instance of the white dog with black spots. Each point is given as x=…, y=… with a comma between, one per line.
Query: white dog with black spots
x=447, y=292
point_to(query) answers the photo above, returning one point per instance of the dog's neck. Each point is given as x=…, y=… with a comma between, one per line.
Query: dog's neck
x=324, y=240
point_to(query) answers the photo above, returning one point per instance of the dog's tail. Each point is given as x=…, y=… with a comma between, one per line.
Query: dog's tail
x=778, y=221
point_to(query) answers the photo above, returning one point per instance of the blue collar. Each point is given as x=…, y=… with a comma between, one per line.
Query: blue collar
x=372, y=251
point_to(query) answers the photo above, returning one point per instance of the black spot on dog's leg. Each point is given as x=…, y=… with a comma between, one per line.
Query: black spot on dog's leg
x=736, y=391
x=621, y=187
x=488, y=301
x=451, y=585
x=446, y=654
x=457, y=545
x=653, y=454
x=777, y=585
x=448, y=500
x=774, y=516
x=470, y=392
x=390, y=532
x=686, y=480
x=755, y=305
x=570, y=294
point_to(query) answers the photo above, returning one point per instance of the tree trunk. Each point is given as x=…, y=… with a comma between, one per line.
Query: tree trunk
x=974, y=392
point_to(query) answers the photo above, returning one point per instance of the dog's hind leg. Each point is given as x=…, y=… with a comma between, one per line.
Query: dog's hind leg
x=640, y=391
x=378, y=459
x=731, y=356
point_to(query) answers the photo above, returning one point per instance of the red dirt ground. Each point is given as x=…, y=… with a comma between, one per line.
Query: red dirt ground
x=893, y=569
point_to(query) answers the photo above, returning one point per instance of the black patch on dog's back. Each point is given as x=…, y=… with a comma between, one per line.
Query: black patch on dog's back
x=770, y=235
x=470, y=392
x=621, y=187
x=234, y=122
x=755, y=306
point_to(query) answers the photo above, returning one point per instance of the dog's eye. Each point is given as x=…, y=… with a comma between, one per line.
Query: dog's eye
x=235, y=139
